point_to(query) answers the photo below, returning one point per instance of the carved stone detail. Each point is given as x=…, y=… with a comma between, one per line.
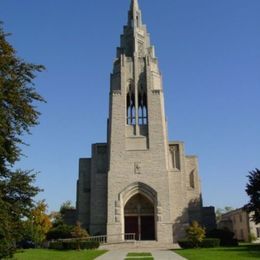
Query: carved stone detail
x=137, y=167
x=117, y=211
x=116, y=92
x=156, y=91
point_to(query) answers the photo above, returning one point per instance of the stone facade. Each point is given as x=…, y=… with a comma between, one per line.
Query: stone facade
x=138, y=163
x=239, y=222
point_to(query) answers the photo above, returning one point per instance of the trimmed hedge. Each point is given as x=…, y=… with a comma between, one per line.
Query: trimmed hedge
x=226, y=237
x=210, y=242
x=185, y=243
x=206, y=243
x=73, y=245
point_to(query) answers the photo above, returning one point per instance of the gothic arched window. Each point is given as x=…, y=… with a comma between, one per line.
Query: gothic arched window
x=130, y=111
x=142, y=109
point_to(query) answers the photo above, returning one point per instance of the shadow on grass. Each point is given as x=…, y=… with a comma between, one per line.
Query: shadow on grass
x=241, y=248
x=244, y=251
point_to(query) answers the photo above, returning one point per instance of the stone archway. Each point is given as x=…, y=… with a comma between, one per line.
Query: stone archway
x=139, y=210
x=139, y=217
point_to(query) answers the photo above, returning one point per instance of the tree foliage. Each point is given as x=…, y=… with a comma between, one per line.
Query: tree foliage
x=195, y=233
x=59, y=229
x=220, y=211
x=253, y=191
x=17, y=96
x=38, y=224
x=78, y=232
x=67, y=205
x=17, y=114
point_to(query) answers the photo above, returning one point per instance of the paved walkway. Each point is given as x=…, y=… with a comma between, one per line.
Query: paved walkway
x=120, y=254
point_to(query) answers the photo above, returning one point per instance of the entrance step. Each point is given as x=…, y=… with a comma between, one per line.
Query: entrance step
x=139, y=245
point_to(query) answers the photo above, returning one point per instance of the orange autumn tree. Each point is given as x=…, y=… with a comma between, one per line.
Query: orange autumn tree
x=39, y=223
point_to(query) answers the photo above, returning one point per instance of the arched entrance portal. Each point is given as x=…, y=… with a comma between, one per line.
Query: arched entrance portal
x=139, y=217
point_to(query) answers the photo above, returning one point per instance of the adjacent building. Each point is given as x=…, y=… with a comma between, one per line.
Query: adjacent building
x=239, y=222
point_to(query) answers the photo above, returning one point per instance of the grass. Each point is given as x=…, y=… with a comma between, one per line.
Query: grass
x=139, y=256
x=46, y=254
x=143, y=258
x=242, y=252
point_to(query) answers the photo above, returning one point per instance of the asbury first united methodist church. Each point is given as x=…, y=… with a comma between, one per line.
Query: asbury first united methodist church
x=139, y=182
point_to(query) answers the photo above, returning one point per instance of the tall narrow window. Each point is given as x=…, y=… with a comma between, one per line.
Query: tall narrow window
x=192, y=180
x=130, y=110
x=175, y=156
x=142, y=109
x=137, y=21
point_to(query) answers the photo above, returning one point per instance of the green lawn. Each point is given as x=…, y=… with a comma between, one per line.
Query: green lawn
x=243, y=252
x=136, y=258
x=45, y=254
x=139, y=254
x=142, y=255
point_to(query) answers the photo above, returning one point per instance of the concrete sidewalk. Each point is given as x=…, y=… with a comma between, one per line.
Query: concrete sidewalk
x=121, y=254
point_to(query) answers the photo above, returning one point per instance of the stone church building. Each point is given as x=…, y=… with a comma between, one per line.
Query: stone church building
x=139, y=181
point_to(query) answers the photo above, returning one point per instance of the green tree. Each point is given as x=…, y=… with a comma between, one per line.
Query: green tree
x=59, y=229
x=38, y=224
x=78, y=232
x=253, y=191
x=17, y=115
x=220, y=211
x=67, y=205
x=195, y=233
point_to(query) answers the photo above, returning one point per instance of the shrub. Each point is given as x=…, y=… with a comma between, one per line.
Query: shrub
x=7, y=248
x=225, y=236
x=252, y=237
x=210, y=242
x=59, y=232
x=73, y=245
x=206, y=243
x=78, y=232
x=195, y=233
x=26, y=244
x=185, y=243
x=56, y=245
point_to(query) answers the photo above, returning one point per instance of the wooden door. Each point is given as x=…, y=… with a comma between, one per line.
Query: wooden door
x=147, y=228
x=131, y=225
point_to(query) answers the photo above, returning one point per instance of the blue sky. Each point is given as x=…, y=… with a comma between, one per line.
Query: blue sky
x=209, y=56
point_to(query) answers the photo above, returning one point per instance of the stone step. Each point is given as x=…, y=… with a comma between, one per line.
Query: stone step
x=138, y=245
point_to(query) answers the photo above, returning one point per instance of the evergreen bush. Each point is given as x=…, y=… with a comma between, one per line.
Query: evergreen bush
x=226, y=237
x=210, y=242
x=73, y=245
x=186, y=243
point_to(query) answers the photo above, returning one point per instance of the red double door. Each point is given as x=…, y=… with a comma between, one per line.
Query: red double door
x=142, y=226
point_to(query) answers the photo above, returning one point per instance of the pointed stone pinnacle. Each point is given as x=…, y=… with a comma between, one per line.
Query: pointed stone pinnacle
x=134, y=5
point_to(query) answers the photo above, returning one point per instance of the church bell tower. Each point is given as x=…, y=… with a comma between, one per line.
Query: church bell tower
x=138, y=182
x=138, y=146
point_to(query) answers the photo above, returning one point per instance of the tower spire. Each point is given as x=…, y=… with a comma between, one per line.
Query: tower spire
x=134, y=15
x=134, y=4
